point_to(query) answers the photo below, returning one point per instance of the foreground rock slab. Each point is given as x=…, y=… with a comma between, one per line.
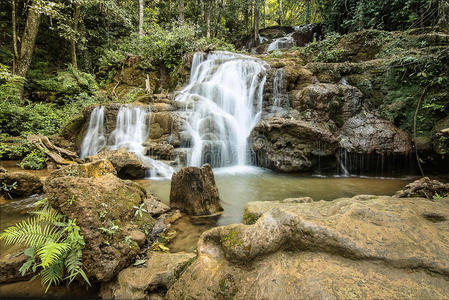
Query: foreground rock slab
x=26, y=184
x=193, y=191
x=156, y=276
x=104, y=207
x=364, y=247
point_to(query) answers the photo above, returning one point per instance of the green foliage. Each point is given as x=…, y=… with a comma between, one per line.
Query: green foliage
x=54, y=245
x=7, y=188
x=140, y=210
x=35, y=160
x=13, y=148
x=10, y=86
x=325, y=50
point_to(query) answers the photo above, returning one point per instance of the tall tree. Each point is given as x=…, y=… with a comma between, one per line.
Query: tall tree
x=76, y=17
x=281, y=12
x=256, y=21
x=23, y=60
x=181, y=11
x=14, y=35
x=141, y=7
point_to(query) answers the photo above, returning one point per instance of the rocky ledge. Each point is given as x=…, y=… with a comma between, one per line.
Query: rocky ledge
x=361, y=247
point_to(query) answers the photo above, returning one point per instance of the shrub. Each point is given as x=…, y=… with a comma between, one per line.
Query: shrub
x=34, y=161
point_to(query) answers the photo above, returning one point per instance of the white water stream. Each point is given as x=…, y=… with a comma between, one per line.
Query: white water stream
x=223, y=103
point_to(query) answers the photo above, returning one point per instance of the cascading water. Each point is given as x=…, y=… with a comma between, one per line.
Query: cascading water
x=281, y=43
x=95, y=139
x=223, y=102
x=279, y=96
x=131, y=131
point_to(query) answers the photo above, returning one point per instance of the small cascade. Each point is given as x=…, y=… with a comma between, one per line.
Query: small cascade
x=131, y=131
x=281, y=43
x=280, y=99
x=223, y=103
x=95, y=139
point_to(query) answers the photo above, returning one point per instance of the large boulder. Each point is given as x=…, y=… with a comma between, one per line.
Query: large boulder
x=306, y=34
x=287, y=145
x=194, y=192
x=127, y=164
x=365, y=247
x=105, y=208
x=424, y=187
x=364, y=133
x=93, y=169
x=328, y=102
x=154, y=278
x=20, y=184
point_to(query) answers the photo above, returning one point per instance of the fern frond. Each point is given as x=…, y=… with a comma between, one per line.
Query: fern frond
x=52, y=275
x=51, y=252
x=31, y=233
x=48, y=214
x=74, y=266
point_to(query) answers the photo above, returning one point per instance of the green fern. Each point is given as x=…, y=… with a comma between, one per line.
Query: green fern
x=55, y=245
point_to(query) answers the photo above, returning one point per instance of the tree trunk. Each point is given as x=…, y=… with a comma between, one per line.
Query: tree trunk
x=208, y=19
x=256, y=22
x=281, y=12
x=181, y=11
x=14, y=35
x=141, y=5
x=76, y=17
x=308, y=12
x=246, y=17
x=28, y=42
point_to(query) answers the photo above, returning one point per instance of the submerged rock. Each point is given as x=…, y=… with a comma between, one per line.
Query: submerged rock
x=127, y=164
x=424, y=187
x=364, y=133
x=382, y=247
x=287, y=145
x=194, y=192
x=105, y=210
x=153, y=279
x=10, y=265
x=21, y=184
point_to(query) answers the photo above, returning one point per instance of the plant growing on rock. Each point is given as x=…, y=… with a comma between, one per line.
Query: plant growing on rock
x=54, y=244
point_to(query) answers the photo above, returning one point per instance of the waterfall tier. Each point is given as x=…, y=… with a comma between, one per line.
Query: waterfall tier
x=223, y=103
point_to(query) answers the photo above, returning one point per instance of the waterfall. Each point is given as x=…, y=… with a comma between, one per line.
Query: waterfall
x=278, y=90
x=281, y=43
x=131, y=131
x=223, y=103
x=95, y=139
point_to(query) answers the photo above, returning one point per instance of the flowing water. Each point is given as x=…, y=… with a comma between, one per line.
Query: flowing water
x=131, y=131
x=280, y=99
x=281, y=43
x=223, y=103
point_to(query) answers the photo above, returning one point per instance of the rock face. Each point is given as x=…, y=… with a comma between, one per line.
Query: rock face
x=104, y=207
x=94, y=169
x=364, y=133
x=194, y=192
x=424, y=187
x=26, y=184
x=10, y=265
x=364, y=247
x=305, y=34
x=154, y=279
x=127, y=164
x=287, y=145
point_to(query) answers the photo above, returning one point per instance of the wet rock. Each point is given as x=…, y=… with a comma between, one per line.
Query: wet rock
x=424, y=187
x=154, y=206
x=154, y=279
x=127, y=164
x=93, y=169
x=287, y=145
x=163, y=151
x=21, y=184
x=325, y=102
x=378, y=248
x=306, y=34
x=104, y=208
x=364, y=133
x=10, y=265
x=194, y=192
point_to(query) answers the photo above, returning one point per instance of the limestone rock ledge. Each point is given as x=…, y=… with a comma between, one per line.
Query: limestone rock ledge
x=362, y=247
